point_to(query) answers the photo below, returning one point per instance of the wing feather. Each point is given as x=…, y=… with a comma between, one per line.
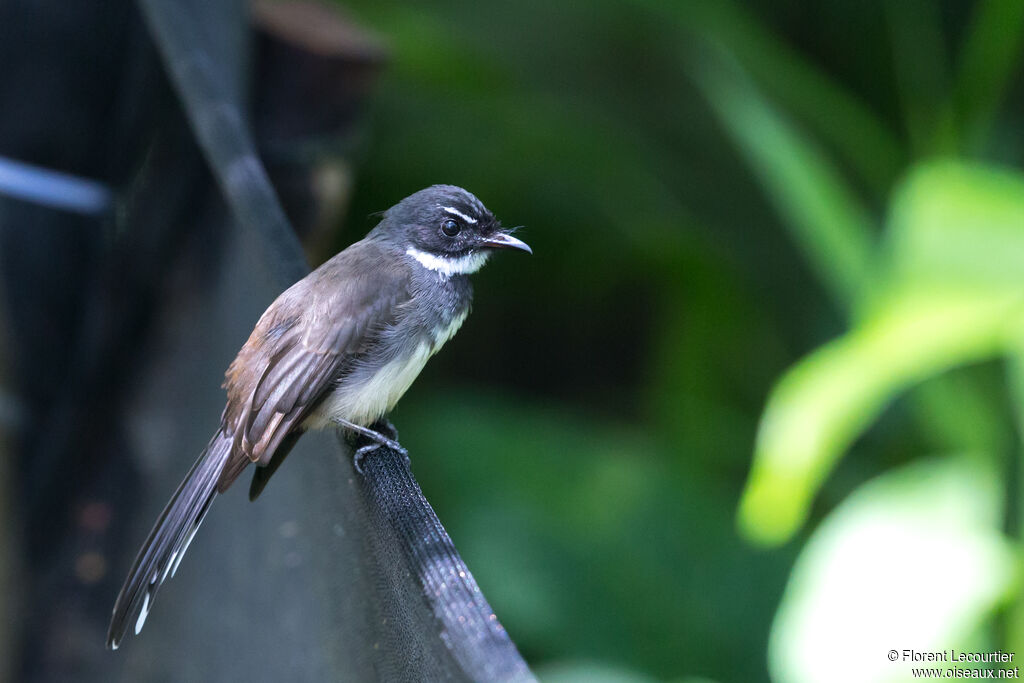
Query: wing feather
x=302, y=346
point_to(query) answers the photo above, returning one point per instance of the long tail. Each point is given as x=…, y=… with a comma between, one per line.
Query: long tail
x=167, y=542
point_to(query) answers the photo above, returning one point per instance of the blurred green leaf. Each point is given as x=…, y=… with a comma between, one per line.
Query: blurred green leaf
x=828, y=222
x=912, y=559
x=919, y=56
x=958, y=224
x=988, y=60
x=827, y=399
x=962, y=412
x=1015, y=523
x=962, y=223
x=953, y=296
x=801, y=87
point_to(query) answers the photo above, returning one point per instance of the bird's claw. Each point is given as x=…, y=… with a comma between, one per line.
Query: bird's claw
x=363, y=451
x=382, y=435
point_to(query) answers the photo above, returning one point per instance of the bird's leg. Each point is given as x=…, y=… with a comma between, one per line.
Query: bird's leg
x=382, y=427
x=376, y=436
x=387, y=428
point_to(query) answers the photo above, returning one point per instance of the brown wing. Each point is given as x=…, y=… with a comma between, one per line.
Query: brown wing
x=301, y=345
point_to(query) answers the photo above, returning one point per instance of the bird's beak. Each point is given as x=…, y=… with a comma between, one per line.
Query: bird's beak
x=503, y=240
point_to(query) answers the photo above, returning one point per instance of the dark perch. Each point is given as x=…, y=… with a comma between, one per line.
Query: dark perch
x=403, y=522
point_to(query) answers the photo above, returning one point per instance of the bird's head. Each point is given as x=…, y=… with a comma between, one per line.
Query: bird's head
x=447, y=229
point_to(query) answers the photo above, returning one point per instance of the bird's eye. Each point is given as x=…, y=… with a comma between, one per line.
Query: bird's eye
x=450, y=227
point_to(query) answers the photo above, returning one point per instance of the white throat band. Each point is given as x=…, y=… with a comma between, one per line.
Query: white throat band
x=446, y=266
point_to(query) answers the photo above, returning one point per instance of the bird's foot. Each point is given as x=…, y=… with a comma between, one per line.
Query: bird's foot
x=382, y=435
x=387, y=428
x=366, y=449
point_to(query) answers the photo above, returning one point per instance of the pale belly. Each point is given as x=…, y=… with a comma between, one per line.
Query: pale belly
x=372, y=398
x=366, y=402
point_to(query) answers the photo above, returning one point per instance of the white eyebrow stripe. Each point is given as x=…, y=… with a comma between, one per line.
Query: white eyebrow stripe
x=456, y=212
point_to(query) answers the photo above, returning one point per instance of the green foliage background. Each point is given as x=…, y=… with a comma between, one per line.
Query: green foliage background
x=773, y=322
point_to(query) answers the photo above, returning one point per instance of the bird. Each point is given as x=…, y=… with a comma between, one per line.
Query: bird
x=336, y=350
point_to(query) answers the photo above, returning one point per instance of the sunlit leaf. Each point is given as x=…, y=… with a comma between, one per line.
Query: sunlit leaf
x=827, y=399
x=911, y=560
x=959, y=224
x=954, y=295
